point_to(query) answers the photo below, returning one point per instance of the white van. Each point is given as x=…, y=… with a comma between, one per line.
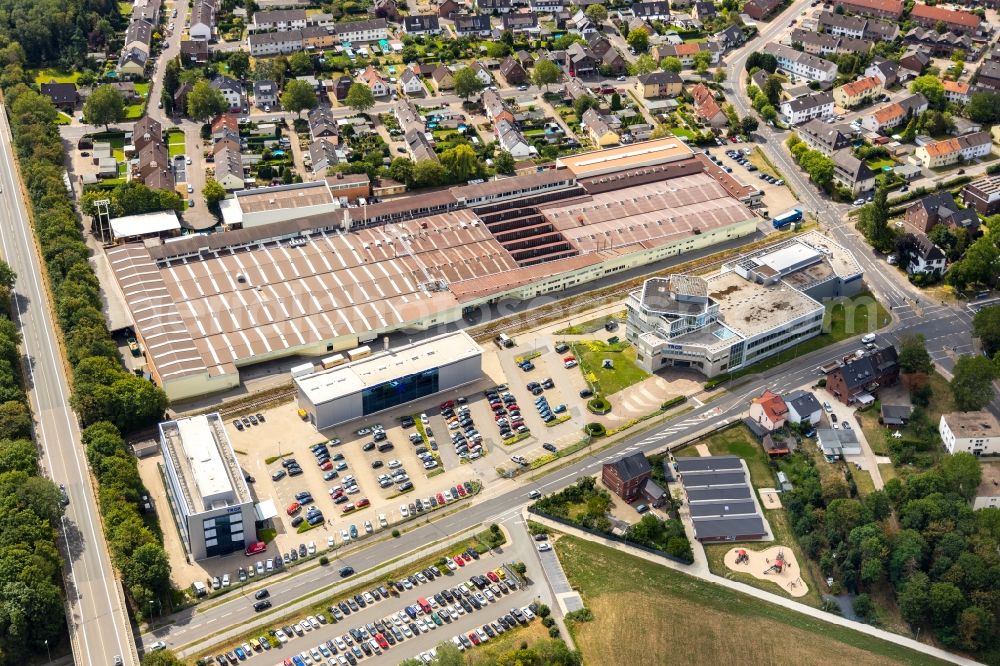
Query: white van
x=199, y=588
x=868, y=338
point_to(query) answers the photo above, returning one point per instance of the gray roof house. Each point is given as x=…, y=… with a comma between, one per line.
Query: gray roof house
x=803, y=407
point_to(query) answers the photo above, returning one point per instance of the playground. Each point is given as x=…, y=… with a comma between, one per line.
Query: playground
x=775, y=564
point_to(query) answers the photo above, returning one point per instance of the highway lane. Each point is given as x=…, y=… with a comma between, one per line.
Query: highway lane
x=99, y=627
x=502, y=499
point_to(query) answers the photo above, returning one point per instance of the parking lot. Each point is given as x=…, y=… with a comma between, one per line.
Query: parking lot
x=386, y=625
x=777, y=197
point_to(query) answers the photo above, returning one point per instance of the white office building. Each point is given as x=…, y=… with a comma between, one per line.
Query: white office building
x=208, y=493
x=975, y=432
x=802, y=64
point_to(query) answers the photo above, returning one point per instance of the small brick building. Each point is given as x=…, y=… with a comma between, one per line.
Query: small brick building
x=626, y=476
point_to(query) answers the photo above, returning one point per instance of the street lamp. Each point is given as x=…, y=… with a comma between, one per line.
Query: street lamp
x=47, y=651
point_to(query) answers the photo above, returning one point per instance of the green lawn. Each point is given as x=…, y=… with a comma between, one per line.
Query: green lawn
x=49, y=74
x=117, y=141
x=591, y=325
x=591, y=355
x=63, y=119
x=876, y=165
x=737, y=441
x=652, y=610
x=683, y=132
x=175, y=142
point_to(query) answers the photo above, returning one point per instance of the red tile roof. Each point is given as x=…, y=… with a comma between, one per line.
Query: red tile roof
x=952, y=16
x=773, y=405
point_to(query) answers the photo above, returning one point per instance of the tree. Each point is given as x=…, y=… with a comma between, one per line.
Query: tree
x=616, y=102
x=214, y=192
x=467, y=84
x=546, y=72
x=749, y=124
x=401, y=169
x=204, y=102
x=461, y=162
x=18, y=455
x=596, y=13
x=161, y=658
x=429, y=173
x=638, y=40
x=913, y=356
x=930, y=87
x=946, y=602
x=719, y=76
x=962, y=472
x=644, y=64
x=773, y=87
x=300, y=63
x=986, y=327
x=299, y=96
x=15, y=420
x=758, y=60
x=239, y=64
x=504, y=163
x=359, y=97
x=702, y=60
x=873, y=220
x=670, y=63
x=104, y=106
x=980, y=265
x=984, y=107
x=972, y=383
x=864, y=608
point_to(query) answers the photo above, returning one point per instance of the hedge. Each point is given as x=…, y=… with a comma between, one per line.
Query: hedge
x=595, y=429
x=676, y=400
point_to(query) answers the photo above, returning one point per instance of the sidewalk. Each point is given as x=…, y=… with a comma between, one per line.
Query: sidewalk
x=703, y=573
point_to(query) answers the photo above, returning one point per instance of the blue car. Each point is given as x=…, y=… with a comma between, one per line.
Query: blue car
x=240, y=654
x=527, y=367
x=560, y=409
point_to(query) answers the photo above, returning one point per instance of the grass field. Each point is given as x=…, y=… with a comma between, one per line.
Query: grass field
x=505, y=642
x=737, y=441
x=135, y=111
x=878, y=436
x=659, y=616
x=49, y=74
x=175, y=142
x=763, y=166
x=591, y=325
x=608, y=381
x=63, y=119
x=863, y=480
x=117, y=141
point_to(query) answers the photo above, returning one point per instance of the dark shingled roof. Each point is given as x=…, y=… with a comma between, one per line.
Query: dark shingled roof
x=631, y=467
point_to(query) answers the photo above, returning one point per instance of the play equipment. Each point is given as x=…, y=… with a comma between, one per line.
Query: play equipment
x=779, y=564
x=742, y=557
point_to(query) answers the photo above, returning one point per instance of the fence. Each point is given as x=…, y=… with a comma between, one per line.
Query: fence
x=606, y=535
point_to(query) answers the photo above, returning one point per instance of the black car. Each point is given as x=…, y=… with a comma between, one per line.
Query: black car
x=346, y=571
x=289, y=462
x=262, y=605
x=294, y=471
x=344, y=607
x=297, y=520
x=261, y=594
x=369, y=446
x=377, y=464
x=550, y=447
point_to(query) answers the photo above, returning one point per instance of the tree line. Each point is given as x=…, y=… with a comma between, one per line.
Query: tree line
x=31, y=601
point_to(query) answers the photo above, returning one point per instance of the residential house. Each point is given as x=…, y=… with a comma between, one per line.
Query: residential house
x=760, y=10
x=444, y=78
x=545, y=6
x=894, y=114
x=614, y=61
x=418, y=147
x=180, y=97
x=280, y=19
x=265, y=95
x=410, y=83
x=473, y=25
x=949, y=151
x=865, y=375
x=801, y=64
x=977, y=433
x=705, y=10
x=826, y=138
x=322, y=124
x=885, y=9
x=759, y=79
x=421, y=24
x=599, y=129
x=153, y=166
x=987, y=495
x=145, y=131
x=988, y=75
x=520, y=22
x=194, y=52
x=838, y=443
x=274, y=43
x=63, y=95
x=841, y=25
x=851, y=173
x=525, y=58
x=360, y=32
x=769, y=410
x=371, y=78
x=482, y=73
x=626, y=476
x=342, y=87
x=983, y=195
x=926, y=258
x=637, y=23
x=954, y=20
x=582, y=61
x=495, y=107
x=686, y=51
x=940, y=208
x=803, y=408
x=887, y=71
x=807, y=107
x=856, y=93
x=729, y=37
x=225, y=126
x=323, y=154
x=513, y=72
x=387, y=9
x=229, y=169
x=449, y=9
x=139, y=34
x=231, y=89
x=513, y=141
x=317, y=38
x=956, y=91
x=202, y=23
x=914, y=61
x=574, y=90
x=941, y=45
x=652, y=11
x=495, y=6
x=706, y=108
x=894, y=415
x=659, y=84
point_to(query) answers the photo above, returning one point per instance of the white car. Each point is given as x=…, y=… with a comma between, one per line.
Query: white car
x=382, y=521
x=339, y=642
x=280, y=635
x=329, y=542
x=368, y=527
x=827, y=407
x=190, y=188
x=403, y=511
x=345, y=535
x=527, y=613
x=157, y=646
x=313, y=621
x=306, y=626
x=542, y=547
x=458, y=643
x=451, y=564
x=260, y=567
x=187, y=161
x=393, y=464
x=225, y=580
x=311, y=547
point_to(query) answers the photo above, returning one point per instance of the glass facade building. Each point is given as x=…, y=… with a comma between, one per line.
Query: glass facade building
x=399, y=391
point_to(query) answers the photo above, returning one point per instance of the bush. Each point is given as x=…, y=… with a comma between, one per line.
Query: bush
x=395, y=534
x=582, y=615
x=595, y=429
x=821, y=383
x=520, y=568
x=324, y=560
x=547, y=622
x=554, y=631
x=598, y=405
x=543, y=610
x=676, y=400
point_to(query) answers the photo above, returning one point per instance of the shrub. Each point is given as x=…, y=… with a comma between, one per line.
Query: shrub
x=543, y=610
x=324, y=560
x=395, y=534
x=595, y=429
x=582, y=615
x=676, y=400
x=821, y=383
x=520, y=568
x=599, y=405
x=554, y=631
x=547, y=622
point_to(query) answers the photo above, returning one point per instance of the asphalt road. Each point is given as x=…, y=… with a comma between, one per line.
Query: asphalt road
x=99, y=627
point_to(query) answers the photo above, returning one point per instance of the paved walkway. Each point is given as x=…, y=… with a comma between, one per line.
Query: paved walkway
x=699, y=570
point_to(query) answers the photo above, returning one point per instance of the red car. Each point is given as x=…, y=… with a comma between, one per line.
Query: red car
x=349, y=507
x=459, y=561
x=327, y=466
x=384, y=644
x=363, y=502
x=513, y=408
x=492, y=576
x=474, y=638
x=461, y=491
x=440, y=498
x=468, y=558
x=447, y=404
x=256, y=547
x=293, y=508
